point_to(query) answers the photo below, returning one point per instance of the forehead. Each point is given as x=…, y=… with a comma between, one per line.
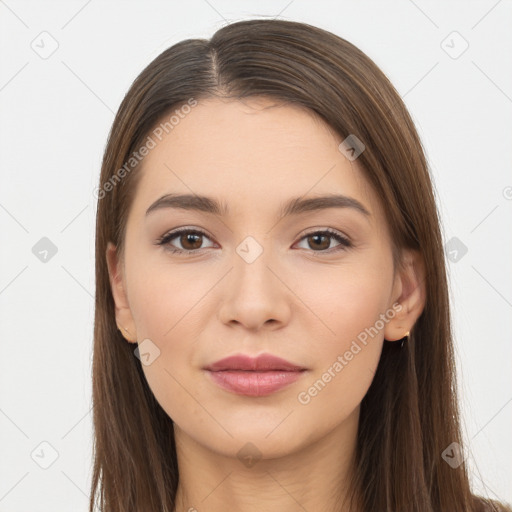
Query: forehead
x=253, y=153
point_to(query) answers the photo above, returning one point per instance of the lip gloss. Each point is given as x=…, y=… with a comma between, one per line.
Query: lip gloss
x=254, y=383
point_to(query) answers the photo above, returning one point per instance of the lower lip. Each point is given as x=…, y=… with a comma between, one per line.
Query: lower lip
x=252, y=383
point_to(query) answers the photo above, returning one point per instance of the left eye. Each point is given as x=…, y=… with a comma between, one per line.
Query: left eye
x=190, y=240
x=327, y=235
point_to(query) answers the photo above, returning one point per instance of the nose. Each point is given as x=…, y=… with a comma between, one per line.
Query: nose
x=254, y=295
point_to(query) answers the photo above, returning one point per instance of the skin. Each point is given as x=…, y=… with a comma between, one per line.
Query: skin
x=294, y=301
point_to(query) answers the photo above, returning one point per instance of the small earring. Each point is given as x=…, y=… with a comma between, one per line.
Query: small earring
x=404, y=339
x=121, y=329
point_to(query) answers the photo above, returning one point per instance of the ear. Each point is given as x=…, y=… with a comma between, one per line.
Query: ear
x=124, y=318
x=408, y=290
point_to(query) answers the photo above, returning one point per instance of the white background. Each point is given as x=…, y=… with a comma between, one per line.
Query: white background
x=55, y=117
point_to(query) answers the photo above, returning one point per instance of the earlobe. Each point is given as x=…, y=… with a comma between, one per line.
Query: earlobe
x=127, y=335
x=124, y=318
x=411, y=297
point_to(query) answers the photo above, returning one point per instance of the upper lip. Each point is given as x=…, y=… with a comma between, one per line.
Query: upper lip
x=263, y=362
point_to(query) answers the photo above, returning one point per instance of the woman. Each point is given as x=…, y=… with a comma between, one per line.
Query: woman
x=272, y=317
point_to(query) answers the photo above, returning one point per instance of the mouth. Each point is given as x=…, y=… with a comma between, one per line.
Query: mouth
x=260, y=376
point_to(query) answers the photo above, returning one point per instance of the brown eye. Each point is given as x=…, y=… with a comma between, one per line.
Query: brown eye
x=320, y=241
x=190, y=241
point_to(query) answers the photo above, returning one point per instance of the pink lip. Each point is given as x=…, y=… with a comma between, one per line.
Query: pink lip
x=263, y=362
x=258, y=376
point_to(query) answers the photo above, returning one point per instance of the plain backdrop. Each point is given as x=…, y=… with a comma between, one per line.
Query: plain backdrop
x=65, y=67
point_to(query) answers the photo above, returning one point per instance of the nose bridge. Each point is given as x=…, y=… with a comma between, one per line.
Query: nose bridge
x=251, y=249
x=251, y=264
x=254, y=295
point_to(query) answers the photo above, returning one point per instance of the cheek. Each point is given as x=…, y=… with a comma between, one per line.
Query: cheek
x=347, y=354
x=351, y=304
x=346, y=301
x=165, y=302
x=169, y=309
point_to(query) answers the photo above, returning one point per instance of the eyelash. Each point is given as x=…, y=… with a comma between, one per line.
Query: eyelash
x=345, y=243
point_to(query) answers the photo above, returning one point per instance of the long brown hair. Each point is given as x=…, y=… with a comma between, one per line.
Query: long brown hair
x=410, y=414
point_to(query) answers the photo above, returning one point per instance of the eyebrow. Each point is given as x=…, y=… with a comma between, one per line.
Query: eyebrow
x=294, y=206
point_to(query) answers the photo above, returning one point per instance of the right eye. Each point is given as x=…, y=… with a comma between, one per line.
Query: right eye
x=190, y=240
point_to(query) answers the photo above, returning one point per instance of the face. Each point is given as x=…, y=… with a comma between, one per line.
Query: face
x=315, y=287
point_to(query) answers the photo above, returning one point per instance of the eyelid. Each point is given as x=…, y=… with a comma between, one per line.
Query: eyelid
x=173, y=233
x=344, y=242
